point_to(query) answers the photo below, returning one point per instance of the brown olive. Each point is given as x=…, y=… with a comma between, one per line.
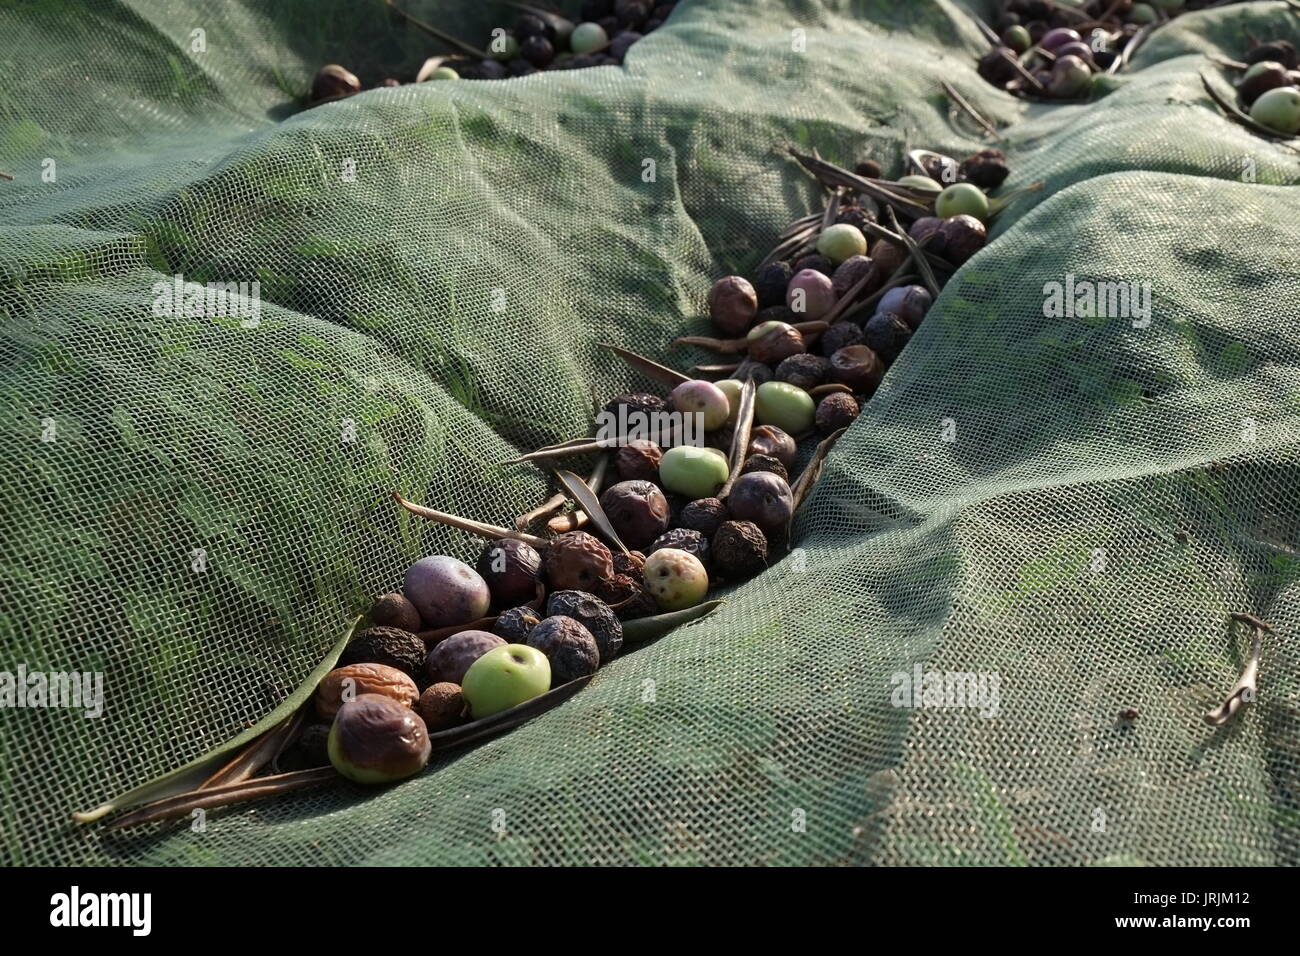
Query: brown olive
x=377, y=740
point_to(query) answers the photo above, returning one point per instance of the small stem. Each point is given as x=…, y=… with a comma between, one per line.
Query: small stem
x=821, y=391
x=563, y=451
x=792, y=243
x=483, y=530
x=6, y=176
x=437, y=634
x=725, y=369
x=922, y=263
x=1246, y=687
x=255, y=789
x=454, y=42
x=812, y=471
x=970, y=110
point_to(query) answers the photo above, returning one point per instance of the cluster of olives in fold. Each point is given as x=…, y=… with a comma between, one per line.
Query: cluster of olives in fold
x=818, y=380
x=461, y=643
x=1065, y=50
x=607, y=29
x=1270, y=87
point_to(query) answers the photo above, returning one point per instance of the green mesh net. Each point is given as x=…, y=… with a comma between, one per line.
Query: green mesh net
x=196, y=507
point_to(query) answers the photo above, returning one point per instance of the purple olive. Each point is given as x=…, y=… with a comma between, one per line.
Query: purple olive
x=446, y=591
x=763, y=498
x=1055, y=39
x=451, y=658
x=908, y=302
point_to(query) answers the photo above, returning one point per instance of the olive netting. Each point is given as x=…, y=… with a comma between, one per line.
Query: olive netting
x=197, y=507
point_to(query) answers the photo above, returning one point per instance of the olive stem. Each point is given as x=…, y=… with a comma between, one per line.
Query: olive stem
x=831, y=388
x=560, y=451
x=922, y=263
x=6, y=176
x=737, y=346
x=831, y=175
x=589, y=501
x=1243, y=118
x=256, y=789
x=451, y=41
x=437, y=634
x=970, y=110
x=740, y=437
x=832, y=208
x=800, y=224
x=724, y=369
x=791, y=243
x=1246, y=687
x=482, y=529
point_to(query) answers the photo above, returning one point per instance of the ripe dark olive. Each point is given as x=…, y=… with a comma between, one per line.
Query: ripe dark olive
x=377, y=740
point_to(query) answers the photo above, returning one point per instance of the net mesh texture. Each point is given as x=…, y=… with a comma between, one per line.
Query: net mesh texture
x=197, y=507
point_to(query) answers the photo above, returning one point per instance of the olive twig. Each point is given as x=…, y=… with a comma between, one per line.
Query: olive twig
x=185, y=778
x=737, y=346
x=586, y=446
x=725, y=368
x=6, y=176
x=1244, y=690
x=800, y=225
x=830, y=388
x=256, y=789
x=832, y=208
x=480, y=528
x=795, y=240
x=557, y=500
x=1126, y=55
x=438, y=634
x=970, y=110
x=454, y=42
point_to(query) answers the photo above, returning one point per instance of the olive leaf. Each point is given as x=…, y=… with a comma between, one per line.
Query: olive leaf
x=647, y=367
x=507, y=719
x=258, y=754
x=645, y=629
x=186, y=778
x=581, y=492
x=182, y=804
x=812, y=471
x=480, y=528
x=740, y=437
